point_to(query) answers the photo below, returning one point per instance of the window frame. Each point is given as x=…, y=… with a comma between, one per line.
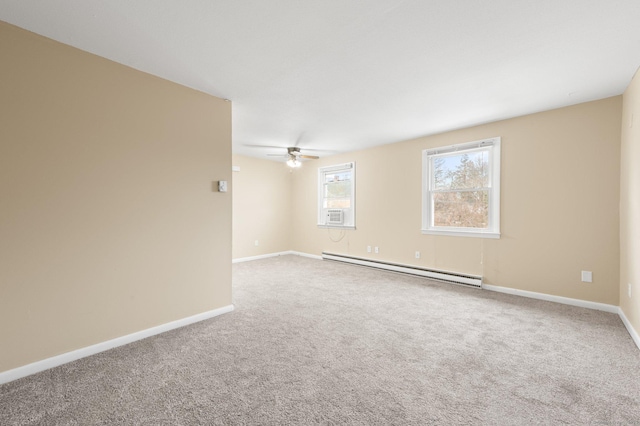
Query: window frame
x=349, y=214
x=492, y=145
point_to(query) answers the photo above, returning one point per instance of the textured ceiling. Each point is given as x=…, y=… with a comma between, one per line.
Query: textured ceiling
x=341, y=75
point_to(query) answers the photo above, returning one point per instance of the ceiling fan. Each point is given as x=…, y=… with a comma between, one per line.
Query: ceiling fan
x=293, y=156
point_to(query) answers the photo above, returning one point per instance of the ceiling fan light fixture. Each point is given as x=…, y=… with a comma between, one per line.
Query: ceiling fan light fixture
x=293, y=162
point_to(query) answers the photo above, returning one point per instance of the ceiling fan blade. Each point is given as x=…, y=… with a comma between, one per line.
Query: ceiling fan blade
x=317, y=150
x=298, y=139
x=266, y=146
x=276, y=155
x=311, y=157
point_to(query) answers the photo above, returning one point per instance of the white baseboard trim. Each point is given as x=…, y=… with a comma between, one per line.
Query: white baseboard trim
x=312, y=256
x=551, y=298
x=45, y=364
x=632, y=331
x=261, y=256
x=281, y=253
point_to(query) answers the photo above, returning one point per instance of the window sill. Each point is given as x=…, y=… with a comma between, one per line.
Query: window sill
x=473, y=234
x=336, y=226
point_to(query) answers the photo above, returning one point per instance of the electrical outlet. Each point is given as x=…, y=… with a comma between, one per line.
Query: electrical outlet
x=256, y=243
x=417, y=255
x=376, y=250
x=629, y=289
x=587, y=276
x=368, y=249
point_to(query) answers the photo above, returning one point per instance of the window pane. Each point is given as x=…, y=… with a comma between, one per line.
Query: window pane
x=465, y=209
x=337, y=176
x=337, y=203
x=340, y=189
x=461, y=171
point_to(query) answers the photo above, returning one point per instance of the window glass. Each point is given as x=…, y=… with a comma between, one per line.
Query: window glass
x=461, y=189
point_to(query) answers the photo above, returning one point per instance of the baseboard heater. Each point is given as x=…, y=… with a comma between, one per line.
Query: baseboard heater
x=450, y=277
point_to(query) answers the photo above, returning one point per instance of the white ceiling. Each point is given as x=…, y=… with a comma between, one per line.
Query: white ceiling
x=342, y=75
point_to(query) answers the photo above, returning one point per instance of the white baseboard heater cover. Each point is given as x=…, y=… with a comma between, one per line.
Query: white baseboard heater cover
x=450, y=277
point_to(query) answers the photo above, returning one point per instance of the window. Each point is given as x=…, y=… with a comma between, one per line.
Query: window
x=336, y=196
x=461, y=189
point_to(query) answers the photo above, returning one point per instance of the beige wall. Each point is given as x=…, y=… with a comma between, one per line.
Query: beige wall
x=559, y=213
x=108, y=221
x=630, y=204
x=261, y=207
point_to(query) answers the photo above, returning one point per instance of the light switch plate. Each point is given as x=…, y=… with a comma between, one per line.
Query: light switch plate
x=222, y=186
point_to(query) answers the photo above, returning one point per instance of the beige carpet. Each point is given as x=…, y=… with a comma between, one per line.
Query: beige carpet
x=314, y=342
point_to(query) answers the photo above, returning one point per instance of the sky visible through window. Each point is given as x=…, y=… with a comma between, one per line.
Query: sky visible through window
x=465, y=170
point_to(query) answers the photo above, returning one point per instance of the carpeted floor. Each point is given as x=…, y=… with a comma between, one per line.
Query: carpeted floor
x=316, y=342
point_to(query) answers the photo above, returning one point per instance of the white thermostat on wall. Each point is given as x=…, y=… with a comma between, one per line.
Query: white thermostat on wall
x=222, y=186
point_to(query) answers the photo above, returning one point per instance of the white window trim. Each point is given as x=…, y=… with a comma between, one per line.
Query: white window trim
x=351, y=223
x=336, y=226
x=493, y=230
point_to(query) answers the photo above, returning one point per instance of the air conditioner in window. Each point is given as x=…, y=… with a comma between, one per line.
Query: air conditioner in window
x=335, y=217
